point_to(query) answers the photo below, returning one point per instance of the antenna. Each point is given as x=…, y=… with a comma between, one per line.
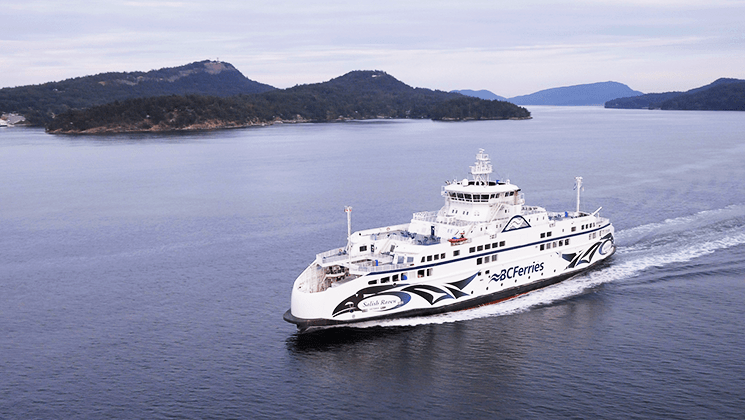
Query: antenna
x=578, y=187
x=348, y=211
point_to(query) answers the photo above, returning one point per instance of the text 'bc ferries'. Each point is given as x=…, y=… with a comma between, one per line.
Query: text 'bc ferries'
x=482, y=247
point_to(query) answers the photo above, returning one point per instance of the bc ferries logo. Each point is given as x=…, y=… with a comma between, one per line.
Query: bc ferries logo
x=517, y=271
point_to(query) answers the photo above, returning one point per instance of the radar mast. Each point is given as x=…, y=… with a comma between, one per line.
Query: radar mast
x=482, y=169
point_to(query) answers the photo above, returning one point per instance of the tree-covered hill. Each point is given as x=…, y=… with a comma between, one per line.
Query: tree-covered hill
x=356, y=95
x=647, y=101
x=39, y=103
x=722, y=95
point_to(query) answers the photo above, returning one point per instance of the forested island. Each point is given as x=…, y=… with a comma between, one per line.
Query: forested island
x=211, y=94
x=356, y=95
x=40, y=103
x=721, y=95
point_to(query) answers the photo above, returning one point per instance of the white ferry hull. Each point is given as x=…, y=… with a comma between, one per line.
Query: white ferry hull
x=454, y=292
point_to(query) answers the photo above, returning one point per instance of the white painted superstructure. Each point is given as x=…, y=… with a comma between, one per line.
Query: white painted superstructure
x=483, y=246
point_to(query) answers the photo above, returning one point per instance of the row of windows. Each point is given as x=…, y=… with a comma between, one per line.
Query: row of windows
x=478, y=198
x=393, y=278
x=545, y=235
x=486, y=259
x=471, y=250
x=435, y=257
x=554, y=244
x=494, y=245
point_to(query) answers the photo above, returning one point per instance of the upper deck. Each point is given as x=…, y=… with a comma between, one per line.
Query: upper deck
x=480, y=213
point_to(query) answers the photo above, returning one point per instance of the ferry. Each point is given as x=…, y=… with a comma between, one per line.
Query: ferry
x=482, y=247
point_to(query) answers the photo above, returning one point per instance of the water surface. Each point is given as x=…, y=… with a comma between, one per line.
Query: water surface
x=145, y=276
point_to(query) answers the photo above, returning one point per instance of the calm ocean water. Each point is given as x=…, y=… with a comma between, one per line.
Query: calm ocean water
x=145, y=276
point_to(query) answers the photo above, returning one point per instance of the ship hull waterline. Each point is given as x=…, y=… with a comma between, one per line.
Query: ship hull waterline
x=308, y=325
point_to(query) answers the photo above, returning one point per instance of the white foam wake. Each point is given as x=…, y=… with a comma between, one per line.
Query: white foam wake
x=653, y=245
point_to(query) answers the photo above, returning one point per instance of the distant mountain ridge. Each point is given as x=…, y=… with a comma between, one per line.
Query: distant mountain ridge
x=355, y=95
x=724, y=94
x=481, y=94
x=39, y=103
x=585, y=94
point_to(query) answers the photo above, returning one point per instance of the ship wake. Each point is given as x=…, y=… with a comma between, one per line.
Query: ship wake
x=640, y=249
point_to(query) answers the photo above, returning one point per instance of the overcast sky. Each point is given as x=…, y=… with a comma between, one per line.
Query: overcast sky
x=508, y=47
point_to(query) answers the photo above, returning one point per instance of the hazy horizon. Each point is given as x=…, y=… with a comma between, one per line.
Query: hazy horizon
x=508, y=49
